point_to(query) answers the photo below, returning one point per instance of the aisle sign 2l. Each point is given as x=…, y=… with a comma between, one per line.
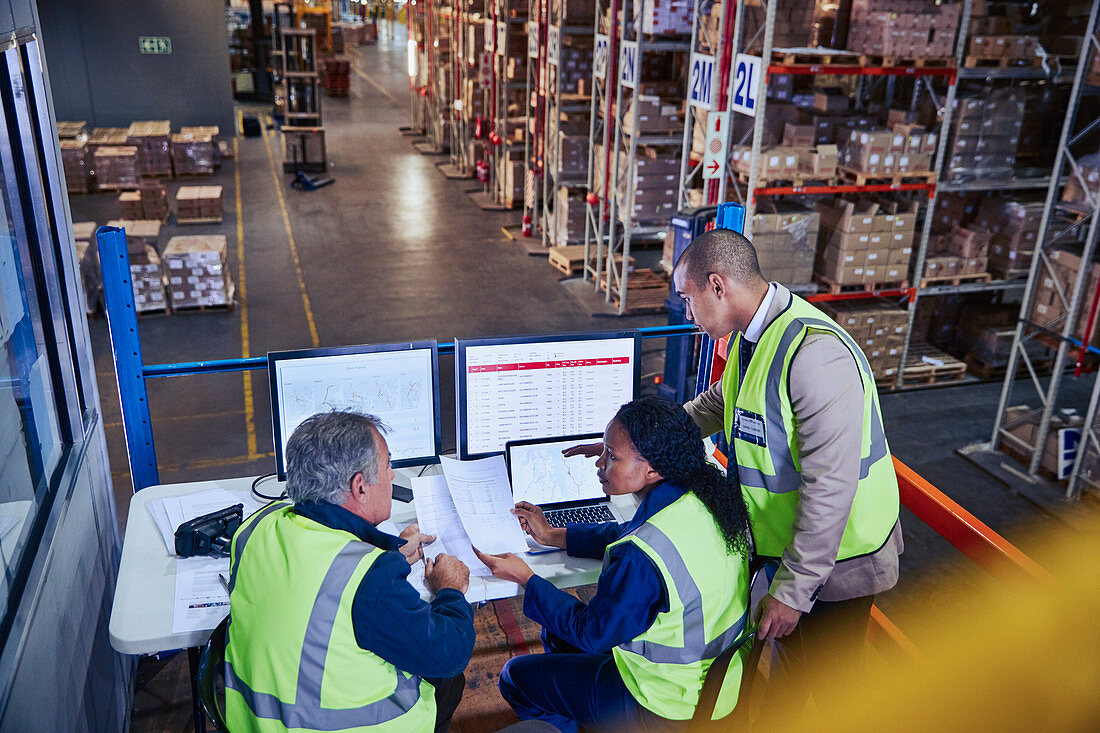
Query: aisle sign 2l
x=553, y=44
x=599, y=56
x=629, y=63
x=701, y=80
x=746, y=84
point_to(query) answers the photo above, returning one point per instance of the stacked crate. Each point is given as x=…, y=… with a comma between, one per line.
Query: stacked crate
x=154, y=201
x=146, y=278
x=196, y=272
x=878, y=328
x=881, y=152
x=1047, y=307
x=117, y=168
x=1014, y=226
x=985, y=133
x=199, y=204
x=647, y=185
x=865, y=244
x=129, y=205
x=194, y=152
x=962, y=252
x=153, y=141
x=903, y=28
x=74, y=161
x=141, y=234
x=336, y=76
x=785, y=237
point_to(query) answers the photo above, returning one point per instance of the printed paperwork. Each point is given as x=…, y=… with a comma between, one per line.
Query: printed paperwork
x=201, y=599
x=483, y=498
x=470, y=505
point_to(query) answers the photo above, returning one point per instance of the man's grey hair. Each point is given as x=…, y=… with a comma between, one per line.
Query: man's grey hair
x=327, y=450
x=720, y=251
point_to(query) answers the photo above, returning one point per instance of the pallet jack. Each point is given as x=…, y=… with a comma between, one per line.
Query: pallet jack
x=302, y=182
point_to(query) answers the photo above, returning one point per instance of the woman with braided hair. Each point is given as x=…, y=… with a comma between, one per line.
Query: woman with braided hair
x=672, y=596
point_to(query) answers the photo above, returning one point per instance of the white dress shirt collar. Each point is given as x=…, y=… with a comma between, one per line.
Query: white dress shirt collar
x=756, y=326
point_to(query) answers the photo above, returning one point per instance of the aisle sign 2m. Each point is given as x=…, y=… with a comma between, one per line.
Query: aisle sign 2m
x=629, y=63
x=701, y=80
x=746, y=84
x=599, y=56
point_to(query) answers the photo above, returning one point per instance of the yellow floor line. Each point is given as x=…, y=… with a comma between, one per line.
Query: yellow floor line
x=249, y=405
x=374, y=84
x=180, y=418
x=290, y=238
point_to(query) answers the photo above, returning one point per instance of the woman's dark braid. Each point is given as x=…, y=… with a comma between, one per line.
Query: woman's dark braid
x=666, y=436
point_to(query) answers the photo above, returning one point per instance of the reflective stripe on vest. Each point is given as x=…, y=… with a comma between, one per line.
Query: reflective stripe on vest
x=242, y=535
x=787, y=476
x=695, y=646
x=306, y=710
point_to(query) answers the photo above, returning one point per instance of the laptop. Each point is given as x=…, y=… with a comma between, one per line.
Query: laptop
x=566, y=489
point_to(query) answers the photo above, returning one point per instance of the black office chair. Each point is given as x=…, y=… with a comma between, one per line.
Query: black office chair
x=716, y=674
x=211, y=668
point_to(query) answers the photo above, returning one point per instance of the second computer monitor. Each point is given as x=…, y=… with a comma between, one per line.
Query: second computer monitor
x=541, y=386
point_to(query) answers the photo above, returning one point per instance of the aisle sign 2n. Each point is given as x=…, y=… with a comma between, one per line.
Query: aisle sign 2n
x=629, y=62
x=746, y=84
x=599, y=56
x=553, y=44
x=701, y=80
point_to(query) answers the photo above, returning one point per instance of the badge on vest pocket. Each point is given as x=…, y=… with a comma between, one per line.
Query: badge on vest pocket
x=750, y=427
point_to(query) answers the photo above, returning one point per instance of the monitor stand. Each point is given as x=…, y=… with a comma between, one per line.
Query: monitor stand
x=402, y=491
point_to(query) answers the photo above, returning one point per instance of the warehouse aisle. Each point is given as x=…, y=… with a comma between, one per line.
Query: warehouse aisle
x=392, y=251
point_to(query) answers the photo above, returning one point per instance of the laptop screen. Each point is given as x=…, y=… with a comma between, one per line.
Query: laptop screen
x=541, y=475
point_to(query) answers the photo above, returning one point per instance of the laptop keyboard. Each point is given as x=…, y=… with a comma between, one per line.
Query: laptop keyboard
x=585, y=514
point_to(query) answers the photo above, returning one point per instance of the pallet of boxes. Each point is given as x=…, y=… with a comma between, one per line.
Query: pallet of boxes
x=897, y=32
x=73, y=140
x=150, y=201
x=153, y=142
x=877, y=326
x=1022, y=425
x=1047, y=306
x=142, y=241
x=865, y=246
x=196, y=273
x=199, y=205
x=985, y=135
x=195, y=151
x=785, y=237
x=87, y=258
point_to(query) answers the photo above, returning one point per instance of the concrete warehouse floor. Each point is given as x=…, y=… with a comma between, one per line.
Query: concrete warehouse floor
x=394, y=251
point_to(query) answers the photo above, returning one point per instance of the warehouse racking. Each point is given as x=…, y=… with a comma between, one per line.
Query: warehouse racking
x=416, y=19
x=534, y=102
x=1059, y=306
x=467, y=30
x=612, y=224
x=569, y=42
x=889, y=82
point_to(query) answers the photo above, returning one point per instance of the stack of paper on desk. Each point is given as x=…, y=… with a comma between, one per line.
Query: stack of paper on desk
x=469, y=505
x=168, y=514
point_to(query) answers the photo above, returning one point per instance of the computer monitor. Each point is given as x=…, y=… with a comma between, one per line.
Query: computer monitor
x=541, y=386
x=397, y=383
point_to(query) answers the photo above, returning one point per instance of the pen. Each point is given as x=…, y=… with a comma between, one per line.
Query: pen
x=225, y=583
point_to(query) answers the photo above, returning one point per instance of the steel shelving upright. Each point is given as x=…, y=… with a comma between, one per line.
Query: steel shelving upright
x=416, y=18
x=534, y=101
x=569, y=109
x=440, y=81
x=460, y=165
x=611, y=227
x=504, y=98
x=1063, y=223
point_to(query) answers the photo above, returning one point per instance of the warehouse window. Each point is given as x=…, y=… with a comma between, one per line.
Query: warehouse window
x=40, y=409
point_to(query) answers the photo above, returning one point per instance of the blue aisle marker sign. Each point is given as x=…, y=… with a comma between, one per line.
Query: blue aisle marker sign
x=599, y=56
x=628, y=64
x=701, y=80
x=747, y=78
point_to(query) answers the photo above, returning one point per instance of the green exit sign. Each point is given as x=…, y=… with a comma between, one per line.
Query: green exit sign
x=155, y=44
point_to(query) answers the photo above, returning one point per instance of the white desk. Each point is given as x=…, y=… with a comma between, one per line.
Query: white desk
x=141, y=617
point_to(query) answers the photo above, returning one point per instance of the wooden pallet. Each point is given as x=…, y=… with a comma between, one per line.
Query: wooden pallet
x=803, y=57
x=153, y=312
x=918, y=62
x=983, y=369
x=207, y=220
x=117, y=186
x=795, y=181
x=1012, y=274
x=836, y=288
x=981, y=277
x=194, y=174
x=949, y=370
x=569, y=259
x=999, y=62
x=859, y=178
x=646, y=291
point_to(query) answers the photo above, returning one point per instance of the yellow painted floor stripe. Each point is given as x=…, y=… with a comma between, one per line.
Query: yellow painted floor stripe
x=249, y=405
x=205, y=463
x=181, y=418
x=373, y=83
x=290, y=238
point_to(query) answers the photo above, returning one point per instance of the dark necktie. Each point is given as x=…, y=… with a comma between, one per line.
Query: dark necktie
x=744, y=357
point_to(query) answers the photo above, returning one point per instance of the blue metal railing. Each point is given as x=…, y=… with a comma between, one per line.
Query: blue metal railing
x=131, y=372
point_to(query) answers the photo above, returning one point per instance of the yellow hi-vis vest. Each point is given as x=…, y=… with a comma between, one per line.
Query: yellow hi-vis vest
x=708, y=597
x=762, y=432
x=291, y=659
